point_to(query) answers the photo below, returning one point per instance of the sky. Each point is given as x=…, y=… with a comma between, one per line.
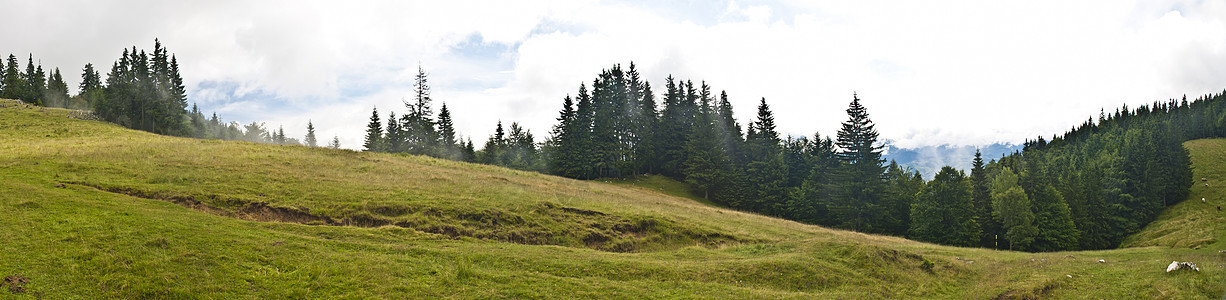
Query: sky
x=929, y=72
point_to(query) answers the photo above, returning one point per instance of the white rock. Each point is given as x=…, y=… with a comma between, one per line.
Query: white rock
x=1175, y=265
x=1102, y=261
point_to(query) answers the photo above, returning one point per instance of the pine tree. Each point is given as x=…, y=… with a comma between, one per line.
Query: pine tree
x=394, y=139
x=336, y=143
x=982, y=199
x=649, y=122
x=943, y=212
x=765, y=171
x=493, y=151
x=13, y=82
x=705, y=166
x=374, y=132
x=857, y=186
x=419, y=135
x=310, y=136
x=449, y=148
x=90, y=80
x=562, y=142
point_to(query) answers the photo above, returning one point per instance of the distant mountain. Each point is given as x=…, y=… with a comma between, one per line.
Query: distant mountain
x=929, y=159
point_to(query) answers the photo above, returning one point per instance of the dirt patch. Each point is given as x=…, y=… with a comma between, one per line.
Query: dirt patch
x=241, y=209
x=15, y=283
x=544, y=224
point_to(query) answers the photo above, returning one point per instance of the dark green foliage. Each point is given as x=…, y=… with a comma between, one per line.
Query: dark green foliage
x=982, y=200
x=858, y=186
x=13, y=83
x=814, y=163
x=374, y=132
x=449, y=147
x=766, y=175
x=943, y=212
x=394, y=137
x=903, y=186
x=143, y=92
x=419, y=135
x=706, y=166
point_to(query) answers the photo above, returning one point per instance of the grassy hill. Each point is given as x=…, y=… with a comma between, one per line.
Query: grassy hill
x=91, y=209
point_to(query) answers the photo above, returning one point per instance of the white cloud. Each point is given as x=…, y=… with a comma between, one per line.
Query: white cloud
x=956, y=72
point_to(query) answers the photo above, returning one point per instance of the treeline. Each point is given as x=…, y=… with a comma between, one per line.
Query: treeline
x=418, y=132
x=143, y=91
x=1101, y=181
x=1086, y=190
x=617, y=129
x=34, y=85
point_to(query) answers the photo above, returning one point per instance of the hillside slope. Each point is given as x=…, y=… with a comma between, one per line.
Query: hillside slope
x=1193, y=223
x=91, y=209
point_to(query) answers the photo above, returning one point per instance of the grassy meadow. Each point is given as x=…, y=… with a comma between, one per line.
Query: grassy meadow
x=92, y=210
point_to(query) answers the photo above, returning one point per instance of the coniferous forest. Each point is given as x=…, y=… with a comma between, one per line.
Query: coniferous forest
x=1086, y=189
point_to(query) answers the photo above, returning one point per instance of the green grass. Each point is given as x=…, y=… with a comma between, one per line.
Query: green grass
x=663, y=185
x=89, y=210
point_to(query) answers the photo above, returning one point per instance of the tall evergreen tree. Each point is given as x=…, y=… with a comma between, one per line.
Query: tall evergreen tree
x=90, y=80
x=982, y=199
x=448, y=145
x=374, y=132
x=310, y=136
x=418, y=126
x=765, y=172
x=706, y=167
x=858, y=185
x=394, y=137
x=13, y=82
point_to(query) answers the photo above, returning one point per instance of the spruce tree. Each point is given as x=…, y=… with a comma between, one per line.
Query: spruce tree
x=310, y=136
x=706, y=167
x=858, y=185
x=13, y=82
x=394, y=137
x=336, y=143
x=448, y=145
x=765, y=171
x=374, y=132
x=982, y=199
x=90, y=80
x=417, y=125
x=563, y=149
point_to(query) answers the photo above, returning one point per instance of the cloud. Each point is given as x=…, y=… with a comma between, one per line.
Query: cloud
x=930, y=73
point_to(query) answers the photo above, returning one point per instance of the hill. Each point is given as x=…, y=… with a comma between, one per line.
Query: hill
x=95, y=210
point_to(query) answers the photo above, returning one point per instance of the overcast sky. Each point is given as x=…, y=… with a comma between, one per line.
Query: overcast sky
x=929, y=72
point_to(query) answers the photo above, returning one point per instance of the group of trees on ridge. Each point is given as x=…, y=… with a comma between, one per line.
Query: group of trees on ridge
x=1086, y=189
x=142, y=91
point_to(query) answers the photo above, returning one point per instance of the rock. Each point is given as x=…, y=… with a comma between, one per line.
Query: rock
x=1069, y=276
x=1102, y=261
x=1175, y=266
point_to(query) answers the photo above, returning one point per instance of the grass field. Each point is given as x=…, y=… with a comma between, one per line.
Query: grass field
x=90, y=210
